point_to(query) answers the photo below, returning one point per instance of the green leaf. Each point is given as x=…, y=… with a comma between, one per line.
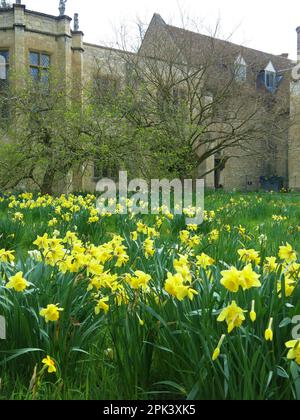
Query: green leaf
x=194, y=391
x=159, y=347
x=285, y=322
x=282, y=372
x=173, y=385
x=18, y=353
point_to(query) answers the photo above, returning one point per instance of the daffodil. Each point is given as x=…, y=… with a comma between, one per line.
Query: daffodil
x=134, y=236
x=175, y=287
x=213, y=235
x=249, y=256
x=70, y=238
x=42, y=242
x=6, y=256
x=194, y=241
x=142, y=228
x=52, y=222
x=50, y=364
x=227, y=228
x=287, y=253
x=149, y=248
x=192, y=227
x=292, y=270
x=204, y=261
x=122, y=257
x=242, y=230
x=17, y=282
x=184, y=236
x=94, y=268
x=289, y=286
x=271, y=265
x=139, y=280
x=51, y=313
x=102, y=306
x=233, y=315
x=182, y=267
x=294, y=350
x=231, y=279
x=249, y=279
x=18, y=217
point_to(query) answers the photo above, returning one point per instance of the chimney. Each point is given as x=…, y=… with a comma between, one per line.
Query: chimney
x=298, y=43
x=284, y=55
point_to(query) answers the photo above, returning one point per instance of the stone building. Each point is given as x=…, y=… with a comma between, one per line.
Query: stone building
x=35, y=42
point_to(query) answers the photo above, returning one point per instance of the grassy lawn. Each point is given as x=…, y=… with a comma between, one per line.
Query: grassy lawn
x=145, y=307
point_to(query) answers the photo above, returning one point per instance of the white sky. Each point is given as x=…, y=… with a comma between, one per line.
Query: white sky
x=268, y=26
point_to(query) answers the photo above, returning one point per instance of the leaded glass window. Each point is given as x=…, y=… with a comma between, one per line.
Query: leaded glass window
x=39, y=66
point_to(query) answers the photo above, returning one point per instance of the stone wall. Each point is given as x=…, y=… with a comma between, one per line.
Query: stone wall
x=294, y=138
x=22, y=31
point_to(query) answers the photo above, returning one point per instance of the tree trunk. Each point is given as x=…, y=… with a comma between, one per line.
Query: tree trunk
x=48, y=180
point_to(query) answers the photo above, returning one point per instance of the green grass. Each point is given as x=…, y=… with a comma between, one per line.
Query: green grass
x=170, y=355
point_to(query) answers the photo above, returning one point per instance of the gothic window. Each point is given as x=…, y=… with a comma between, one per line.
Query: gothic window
x=39, y=66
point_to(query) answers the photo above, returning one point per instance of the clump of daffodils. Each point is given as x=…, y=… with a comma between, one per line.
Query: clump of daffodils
x=235, y=279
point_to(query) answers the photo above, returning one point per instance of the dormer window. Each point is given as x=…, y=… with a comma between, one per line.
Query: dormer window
x=270, y=77
x=240, y=69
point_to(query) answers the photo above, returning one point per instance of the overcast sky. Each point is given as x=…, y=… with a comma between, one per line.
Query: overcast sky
x=268, y=26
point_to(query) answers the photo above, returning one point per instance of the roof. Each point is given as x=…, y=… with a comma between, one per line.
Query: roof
x=193, y=46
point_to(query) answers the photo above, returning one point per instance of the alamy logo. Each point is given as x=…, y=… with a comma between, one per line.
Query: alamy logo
x=2, y=328
x=296, y=329
x=183, y=197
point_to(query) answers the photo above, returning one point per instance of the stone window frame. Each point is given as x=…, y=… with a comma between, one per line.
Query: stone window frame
x=4, y=85
x=39, y=67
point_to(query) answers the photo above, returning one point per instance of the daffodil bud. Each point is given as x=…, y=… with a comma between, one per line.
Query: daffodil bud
x=217, y=351
x=269, y=332
x=216, y=354
x=141, y=322
x=253, y=313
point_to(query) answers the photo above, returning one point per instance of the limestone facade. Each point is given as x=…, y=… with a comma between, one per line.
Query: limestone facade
x=23, y=31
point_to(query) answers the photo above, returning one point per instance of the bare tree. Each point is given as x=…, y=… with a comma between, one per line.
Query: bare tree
x=188, y=96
